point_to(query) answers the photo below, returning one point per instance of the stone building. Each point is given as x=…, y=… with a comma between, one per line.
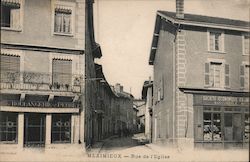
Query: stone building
x=201, y=80
x=43, y=73
x=114, y=113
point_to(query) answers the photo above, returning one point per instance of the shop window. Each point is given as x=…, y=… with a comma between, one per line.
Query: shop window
x=10, y=68
x=61, y=72
x=8, y=127
x=217, y=75
x=212, y=126
x=61, y=128
x=10, y=14
x=246, y=127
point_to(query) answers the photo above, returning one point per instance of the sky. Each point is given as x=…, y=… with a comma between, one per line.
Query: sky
x=124, y=29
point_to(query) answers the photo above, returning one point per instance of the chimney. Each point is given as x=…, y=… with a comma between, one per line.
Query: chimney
x=180, y=9
x=118, y=88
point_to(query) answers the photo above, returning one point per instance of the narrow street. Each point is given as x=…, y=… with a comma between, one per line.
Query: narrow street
x=123, y=145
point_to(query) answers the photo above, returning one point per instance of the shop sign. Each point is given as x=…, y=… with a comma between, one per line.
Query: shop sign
x=42, y=104
x=221, y=100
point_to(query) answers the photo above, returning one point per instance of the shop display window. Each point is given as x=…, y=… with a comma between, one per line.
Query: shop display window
x=212, y=126
x=8, y=127
x=247, y=127
x=61, y=128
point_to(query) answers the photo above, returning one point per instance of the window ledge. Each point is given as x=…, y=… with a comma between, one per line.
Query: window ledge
x=11, y=29
x=245, y=55
x=219, y=52
x=64, y=34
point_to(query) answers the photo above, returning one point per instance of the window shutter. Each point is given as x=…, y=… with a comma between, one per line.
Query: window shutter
x=62, y=71
x=242, y=79
x=10, y=68
x=207, y=82
x=211, y=41
x=246, y=45
x=227, y=75
x=162, y=88
x=15, y=18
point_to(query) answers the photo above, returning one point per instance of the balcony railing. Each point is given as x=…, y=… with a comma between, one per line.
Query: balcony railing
x=41, y=81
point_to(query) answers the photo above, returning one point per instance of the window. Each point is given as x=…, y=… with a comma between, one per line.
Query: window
x=62, y=72
x=61, y=128
x=217, y=75
x=10, y=68
x=212, y=126
x=246, y=45
x=8, y=127
x=63, y=18
x=216, y=41
x=10, y=14
x=247, y=127
x=244, y=76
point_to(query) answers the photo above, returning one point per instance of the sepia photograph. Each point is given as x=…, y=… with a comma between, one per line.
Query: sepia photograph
x=125, y=80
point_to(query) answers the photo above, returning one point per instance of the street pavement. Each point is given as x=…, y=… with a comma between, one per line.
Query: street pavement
x=127, y=149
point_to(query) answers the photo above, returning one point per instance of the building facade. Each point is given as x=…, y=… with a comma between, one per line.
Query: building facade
x=140, y=105
x=201, y=80
x=42, y=71
x=147, y=95
x=114, y=113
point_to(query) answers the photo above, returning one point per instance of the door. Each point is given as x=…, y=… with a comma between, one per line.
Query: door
x=34, y=133
x=228, y=127
x=237, y=129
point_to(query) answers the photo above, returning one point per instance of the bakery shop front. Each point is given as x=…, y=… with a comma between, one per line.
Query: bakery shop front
x=221, y=120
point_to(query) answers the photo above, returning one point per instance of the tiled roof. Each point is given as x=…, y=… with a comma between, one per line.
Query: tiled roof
x=208, y=19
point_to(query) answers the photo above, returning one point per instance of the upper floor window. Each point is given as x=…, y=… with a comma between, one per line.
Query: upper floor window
x=246, y=45
x=62, y=72
x=217, y=75
x=216, y=41
x=244, y=76
x=10, y=14
x=63, y=18
x=10, y=68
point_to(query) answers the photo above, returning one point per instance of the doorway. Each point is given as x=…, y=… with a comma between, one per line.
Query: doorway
x=34, y=130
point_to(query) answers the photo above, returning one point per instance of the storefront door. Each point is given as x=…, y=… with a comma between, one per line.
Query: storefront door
x=232, y=129
x=34, y=130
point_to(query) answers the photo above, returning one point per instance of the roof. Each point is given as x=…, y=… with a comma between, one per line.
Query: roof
x=208, y=19
x=194, y=20
x=99, y=74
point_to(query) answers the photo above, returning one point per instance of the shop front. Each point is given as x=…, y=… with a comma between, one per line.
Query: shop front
x=221, y=121
x=39, y=123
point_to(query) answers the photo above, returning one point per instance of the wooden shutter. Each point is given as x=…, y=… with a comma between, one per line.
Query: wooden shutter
x=242, y=78
x=246, y=45
x=162, y=88
x=62, y=71
x=227, y=81
x=10, y=68
x=15, y=18
x=207, y=80
x=211, y=41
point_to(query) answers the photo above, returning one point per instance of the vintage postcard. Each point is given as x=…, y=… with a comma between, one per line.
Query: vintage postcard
x=124, y=80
